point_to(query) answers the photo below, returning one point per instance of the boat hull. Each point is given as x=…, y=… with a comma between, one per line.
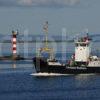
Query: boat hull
x=41, y=65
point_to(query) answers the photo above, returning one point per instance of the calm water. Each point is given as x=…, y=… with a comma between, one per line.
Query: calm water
x=17, y=83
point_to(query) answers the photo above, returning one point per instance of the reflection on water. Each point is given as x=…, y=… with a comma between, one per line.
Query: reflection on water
x=83, y=76
x=14, y=64
x=83, y=79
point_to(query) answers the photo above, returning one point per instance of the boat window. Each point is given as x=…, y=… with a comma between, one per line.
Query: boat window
x=76, y=44
x=83, y=45
x=87, y=44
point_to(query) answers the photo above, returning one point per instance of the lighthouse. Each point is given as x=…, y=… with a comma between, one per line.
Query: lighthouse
x=82, y=50
x=14, y=44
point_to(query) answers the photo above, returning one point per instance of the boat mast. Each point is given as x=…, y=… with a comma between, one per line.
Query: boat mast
x=46, y=46
x=45, y=28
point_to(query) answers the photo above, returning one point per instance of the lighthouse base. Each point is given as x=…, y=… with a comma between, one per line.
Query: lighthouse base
x=18, y=57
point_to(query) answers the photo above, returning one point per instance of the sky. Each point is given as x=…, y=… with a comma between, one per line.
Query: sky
x=30, y=15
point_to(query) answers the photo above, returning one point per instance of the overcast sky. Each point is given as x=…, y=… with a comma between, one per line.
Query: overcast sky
x=74, y=15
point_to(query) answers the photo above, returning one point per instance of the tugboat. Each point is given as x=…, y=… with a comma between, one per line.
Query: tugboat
x=82, y=62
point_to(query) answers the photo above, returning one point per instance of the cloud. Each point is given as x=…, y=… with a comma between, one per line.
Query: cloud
x=25, y=2
x=38, y=2
x=49, y=2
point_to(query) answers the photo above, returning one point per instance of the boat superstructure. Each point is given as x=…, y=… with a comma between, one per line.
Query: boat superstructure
x=82, y=52
x=83, y=56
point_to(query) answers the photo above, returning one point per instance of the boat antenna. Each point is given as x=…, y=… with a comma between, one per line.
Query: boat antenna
x=87, y=32
x=45, y=28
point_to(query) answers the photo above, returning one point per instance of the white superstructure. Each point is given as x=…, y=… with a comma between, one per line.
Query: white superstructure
x=82, y=50
x=83, y=53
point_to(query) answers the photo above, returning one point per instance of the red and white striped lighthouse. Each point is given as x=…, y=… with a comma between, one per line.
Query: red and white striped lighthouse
x=14, y=43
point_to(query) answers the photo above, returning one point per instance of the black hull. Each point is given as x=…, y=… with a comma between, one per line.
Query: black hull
x=42, y=66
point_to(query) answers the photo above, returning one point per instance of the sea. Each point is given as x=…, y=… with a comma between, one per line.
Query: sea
x=19, y=80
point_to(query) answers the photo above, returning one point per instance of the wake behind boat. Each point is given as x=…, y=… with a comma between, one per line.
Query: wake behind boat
x=48, y=74
x=81, y=62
